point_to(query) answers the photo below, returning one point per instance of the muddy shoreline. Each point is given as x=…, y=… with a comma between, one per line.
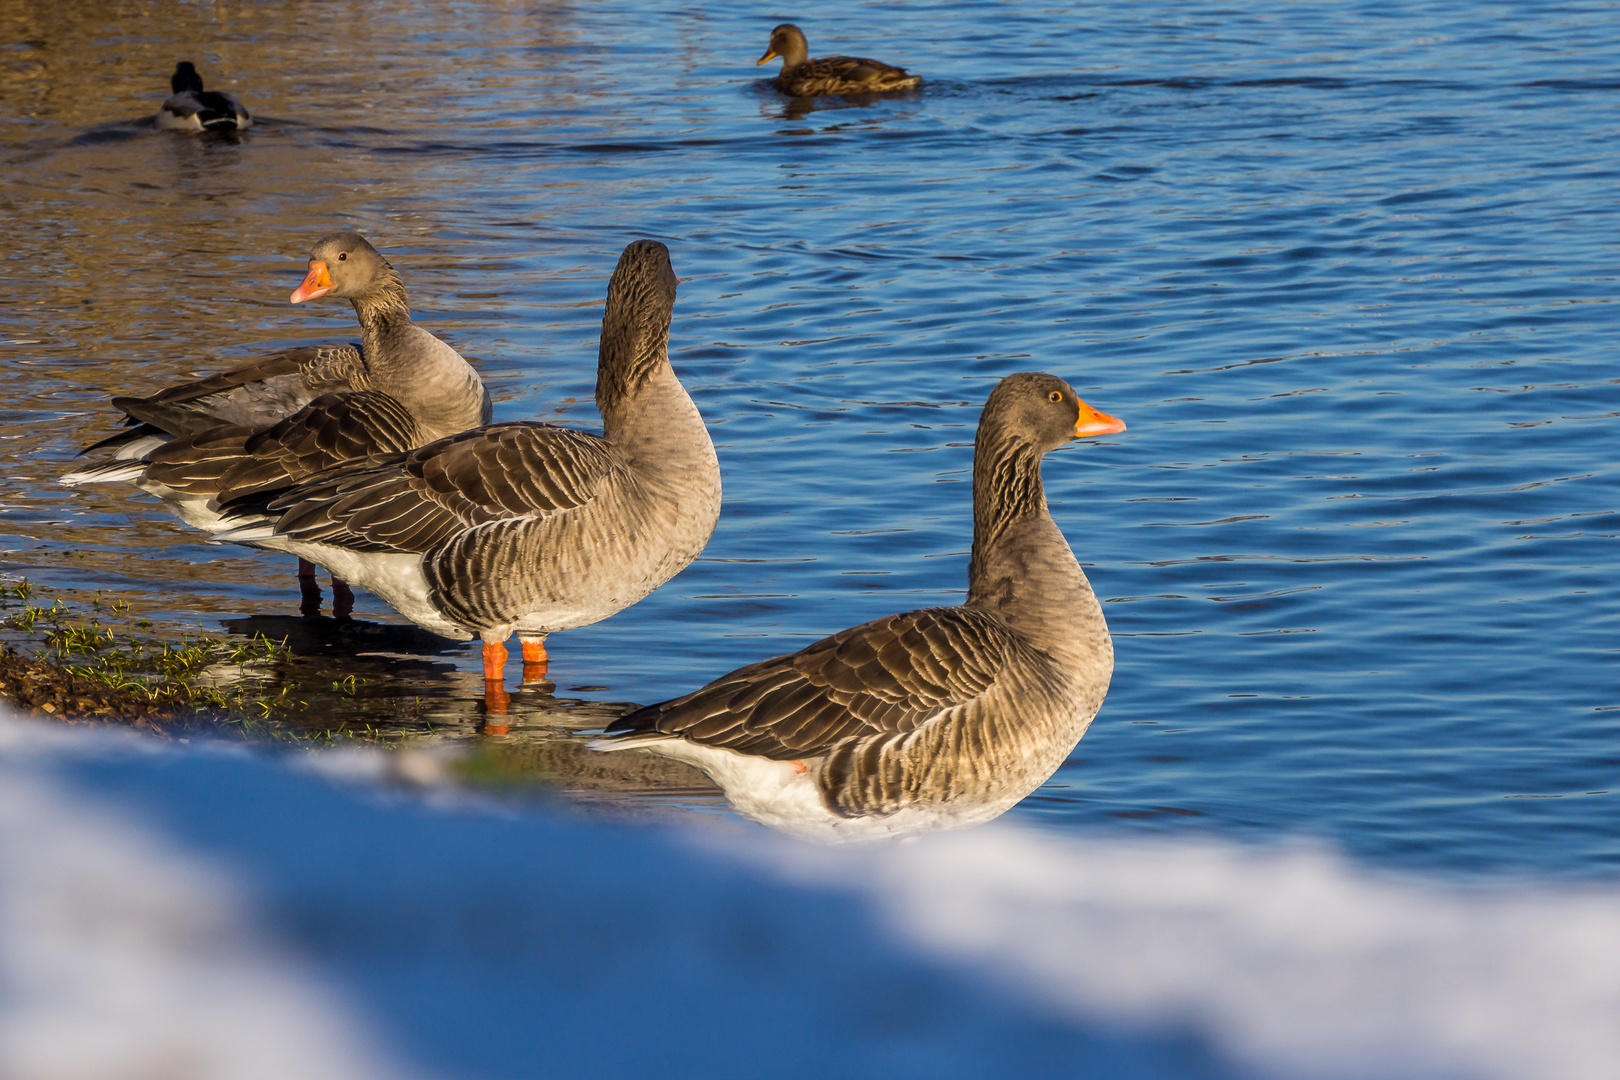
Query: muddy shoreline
x=47, y=690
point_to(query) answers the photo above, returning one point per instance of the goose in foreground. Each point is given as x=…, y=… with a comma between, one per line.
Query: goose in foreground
x=803, y=77
x=932, y=719
x=191, y=108
x=280, y=418
x=524, y=527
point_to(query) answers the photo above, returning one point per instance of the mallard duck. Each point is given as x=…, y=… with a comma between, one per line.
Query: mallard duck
x=191, y=108
x=524, y=527
x=931, y=719
x=288, y=415
x=804, y=77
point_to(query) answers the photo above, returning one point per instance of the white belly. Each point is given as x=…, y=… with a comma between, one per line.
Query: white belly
x=779, y=796
x=396, y=577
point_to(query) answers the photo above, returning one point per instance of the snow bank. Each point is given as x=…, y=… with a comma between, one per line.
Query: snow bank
x=206, y=913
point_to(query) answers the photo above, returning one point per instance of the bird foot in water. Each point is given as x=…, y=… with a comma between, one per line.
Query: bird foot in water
x=342, y=599
x=309, y=591
x=534, y=662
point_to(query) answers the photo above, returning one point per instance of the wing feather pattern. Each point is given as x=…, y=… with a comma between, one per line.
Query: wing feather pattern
x=887, y=677
x=845, y=75
x=256, y=393
x=411, y=502
x=331, y=430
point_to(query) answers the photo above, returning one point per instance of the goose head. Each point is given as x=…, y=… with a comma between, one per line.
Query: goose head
x=342, y=264
x=1042, y=412
x=787, y=41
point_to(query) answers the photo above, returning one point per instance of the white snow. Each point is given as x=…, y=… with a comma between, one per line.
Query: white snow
x=204, y=912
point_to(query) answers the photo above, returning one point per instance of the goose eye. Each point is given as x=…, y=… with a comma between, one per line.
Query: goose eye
x=344, y=255
x=1056, y=395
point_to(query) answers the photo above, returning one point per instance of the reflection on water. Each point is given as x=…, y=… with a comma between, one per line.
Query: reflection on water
x=1347, y=267
x=384, y=682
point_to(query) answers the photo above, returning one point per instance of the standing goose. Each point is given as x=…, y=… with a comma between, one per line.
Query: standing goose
x=191, y=108
x=280, y=418
x=803, y=77
x=524, y=527
x=932, y=719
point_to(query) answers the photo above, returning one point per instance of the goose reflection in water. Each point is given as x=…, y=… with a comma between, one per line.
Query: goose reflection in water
x=933, y=719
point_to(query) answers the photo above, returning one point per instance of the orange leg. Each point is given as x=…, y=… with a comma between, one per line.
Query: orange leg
x=496, y=699
x=799, y=768
x=494, y=661
x=534, y=662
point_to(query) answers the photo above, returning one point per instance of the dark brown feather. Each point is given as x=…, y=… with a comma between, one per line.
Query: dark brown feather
x=888, y=676
x=257, y=392
x=414, y=501
x=330, y=430
x=844, y=75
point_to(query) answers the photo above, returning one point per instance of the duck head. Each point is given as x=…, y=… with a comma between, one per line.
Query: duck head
x=185, y=78
x=787, y=41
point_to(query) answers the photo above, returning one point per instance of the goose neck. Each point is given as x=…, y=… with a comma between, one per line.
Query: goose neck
x=384, y=312
x=632, y=368
x=1007, y=491
x=658, y=428
x=1022, y=568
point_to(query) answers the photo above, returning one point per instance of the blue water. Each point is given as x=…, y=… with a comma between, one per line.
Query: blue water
x=1346, y=269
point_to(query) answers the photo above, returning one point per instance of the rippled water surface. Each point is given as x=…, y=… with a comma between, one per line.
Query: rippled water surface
x=1347, y=270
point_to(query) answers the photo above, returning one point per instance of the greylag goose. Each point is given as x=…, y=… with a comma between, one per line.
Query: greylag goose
x=191, y=108
x=524, y=527
x=280, y=418
x=803, y=77
x=932, y=719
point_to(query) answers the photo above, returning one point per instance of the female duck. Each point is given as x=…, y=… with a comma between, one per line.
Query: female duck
x=803, y=77
x=191, y=108
x=525, y=527
x=933, y=719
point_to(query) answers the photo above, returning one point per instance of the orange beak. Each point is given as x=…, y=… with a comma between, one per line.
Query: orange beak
x=769, y=54
x=1092, y=422
x=316, y=283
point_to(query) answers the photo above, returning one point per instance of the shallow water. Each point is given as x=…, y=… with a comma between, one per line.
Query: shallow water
x=1346, y=269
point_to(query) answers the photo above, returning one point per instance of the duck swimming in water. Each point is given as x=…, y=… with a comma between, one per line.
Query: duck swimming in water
x=191, y=108
x=803, y=77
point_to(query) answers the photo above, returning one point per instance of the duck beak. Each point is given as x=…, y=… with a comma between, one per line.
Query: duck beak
x=317, y=283
x=1092, y=422
x=770, y=54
